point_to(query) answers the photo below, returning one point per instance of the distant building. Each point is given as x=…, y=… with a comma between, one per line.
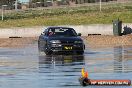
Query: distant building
x=25, y=6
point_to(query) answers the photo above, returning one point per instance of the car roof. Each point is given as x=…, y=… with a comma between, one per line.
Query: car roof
x=57, y=27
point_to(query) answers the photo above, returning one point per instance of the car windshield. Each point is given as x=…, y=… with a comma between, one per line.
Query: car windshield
x=67, y=32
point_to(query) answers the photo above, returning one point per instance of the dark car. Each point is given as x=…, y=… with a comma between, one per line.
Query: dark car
x=60, y=40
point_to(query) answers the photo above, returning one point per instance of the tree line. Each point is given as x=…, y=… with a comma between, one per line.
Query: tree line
x=33, y=1
x=6, y=2
x=10, y=2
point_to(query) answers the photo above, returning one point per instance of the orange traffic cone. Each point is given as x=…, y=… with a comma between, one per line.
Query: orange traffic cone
x=84, y=74
x=85, y=81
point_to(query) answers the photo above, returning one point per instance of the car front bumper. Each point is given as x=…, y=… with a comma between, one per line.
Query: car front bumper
x=66, y=47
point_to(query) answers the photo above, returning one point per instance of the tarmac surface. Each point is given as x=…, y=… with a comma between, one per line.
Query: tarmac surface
x=22, y=66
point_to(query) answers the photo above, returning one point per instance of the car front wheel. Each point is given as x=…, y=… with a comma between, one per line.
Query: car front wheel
x=80, y=52
x=48, y=52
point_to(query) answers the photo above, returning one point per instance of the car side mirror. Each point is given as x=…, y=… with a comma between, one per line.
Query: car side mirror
x=79, y=34
x=42, y=33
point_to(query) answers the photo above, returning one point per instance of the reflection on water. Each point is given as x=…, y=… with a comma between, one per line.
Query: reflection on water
x=60, y=70
x=58, y=62
x=118, y=59
x=121, y=59
x=25, y=68
x=108, y=60
x=62, y=60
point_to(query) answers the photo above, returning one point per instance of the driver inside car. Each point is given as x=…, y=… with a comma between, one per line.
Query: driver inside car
x=51, y=32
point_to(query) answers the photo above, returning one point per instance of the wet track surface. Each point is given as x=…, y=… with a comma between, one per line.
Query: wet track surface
x=25, y=68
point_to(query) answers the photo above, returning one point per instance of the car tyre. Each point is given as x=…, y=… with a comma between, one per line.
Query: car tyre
x=48, y=52
x=39, y=48
x=80, y=52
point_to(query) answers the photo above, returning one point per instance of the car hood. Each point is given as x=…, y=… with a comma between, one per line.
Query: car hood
x=66, y=38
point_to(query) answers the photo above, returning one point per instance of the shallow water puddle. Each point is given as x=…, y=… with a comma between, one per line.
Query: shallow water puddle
x=25, y=68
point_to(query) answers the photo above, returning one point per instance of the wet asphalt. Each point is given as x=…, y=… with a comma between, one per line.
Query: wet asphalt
x=27, y=68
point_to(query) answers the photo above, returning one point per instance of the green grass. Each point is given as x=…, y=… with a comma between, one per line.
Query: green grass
x=68, y=16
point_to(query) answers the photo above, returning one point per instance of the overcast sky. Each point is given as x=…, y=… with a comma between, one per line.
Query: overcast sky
x=23, y=0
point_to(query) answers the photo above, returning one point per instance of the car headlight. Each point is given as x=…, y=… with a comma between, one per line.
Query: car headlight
x=78, y=41
x=55, y=41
